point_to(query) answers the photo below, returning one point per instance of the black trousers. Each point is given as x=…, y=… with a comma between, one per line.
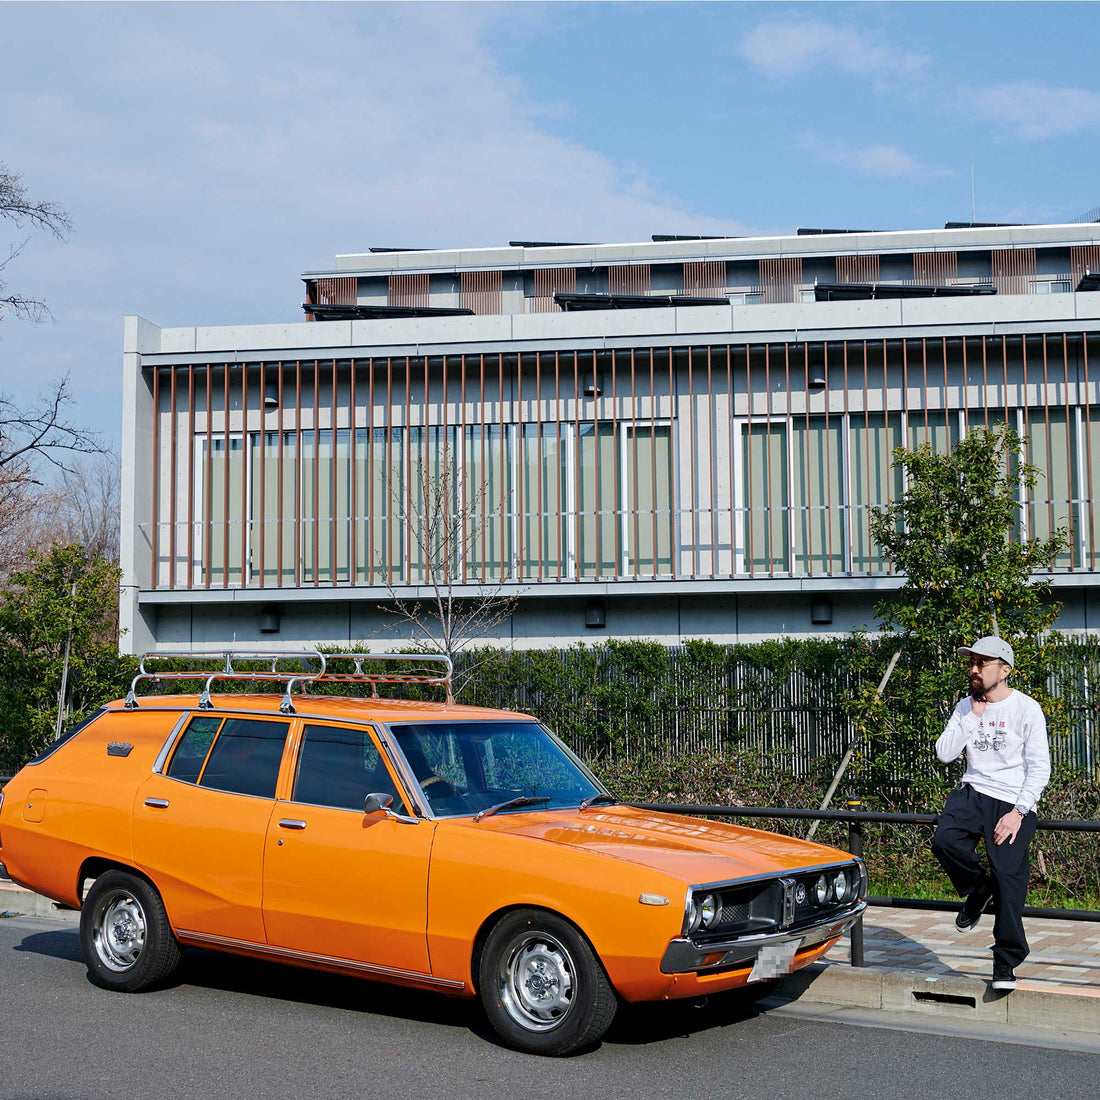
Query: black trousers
x=970, y=816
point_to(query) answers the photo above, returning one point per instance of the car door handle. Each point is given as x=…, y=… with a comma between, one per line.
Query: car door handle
x=291, y=823
x=157, y=803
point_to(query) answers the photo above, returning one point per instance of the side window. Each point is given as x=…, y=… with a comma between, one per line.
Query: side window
x=246, y=756
x=191, y=752
x=339, y=767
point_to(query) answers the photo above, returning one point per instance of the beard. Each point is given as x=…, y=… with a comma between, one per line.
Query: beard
x=977, y=691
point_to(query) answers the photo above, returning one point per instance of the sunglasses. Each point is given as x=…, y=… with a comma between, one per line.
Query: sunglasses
x=981, y=662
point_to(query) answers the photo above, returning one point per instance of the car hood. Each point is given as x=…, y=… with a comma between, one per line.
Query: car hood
x=689, y=848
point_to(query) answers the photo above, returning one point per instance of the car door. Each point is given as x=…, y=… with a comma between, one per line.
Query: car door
x=199, y=828
x=337, y=882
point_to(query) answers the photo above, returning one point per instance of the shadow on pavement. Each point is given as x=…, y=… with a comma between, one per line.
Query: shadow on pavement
x=637, y=1025
x=57, y=945
x=257, y=978
x=634, y=1025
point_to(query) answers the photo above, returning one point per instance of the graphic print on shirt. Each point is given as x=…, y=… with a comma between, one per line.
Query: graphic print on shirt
x=991, y=737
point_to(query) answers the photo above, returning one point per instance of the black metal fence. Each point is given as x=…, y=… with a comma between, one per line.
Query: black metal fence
x=856, y=819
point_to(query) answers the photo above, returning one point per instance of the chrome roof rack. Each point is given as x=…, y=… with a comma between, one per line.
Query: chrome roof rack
x=312, y=667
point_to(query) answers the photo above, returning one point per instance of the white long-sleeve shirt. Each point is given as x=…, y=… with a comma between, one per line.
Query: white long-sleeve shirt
x=1007, y=755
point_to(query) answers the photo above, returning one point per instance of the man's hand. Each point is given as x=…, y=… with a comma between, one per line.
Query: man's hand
x=1007, y=828
x=977, y=706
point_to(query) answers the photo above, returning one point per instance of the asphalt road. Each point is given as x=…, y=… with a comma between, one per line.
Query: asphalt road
x=233, y=1027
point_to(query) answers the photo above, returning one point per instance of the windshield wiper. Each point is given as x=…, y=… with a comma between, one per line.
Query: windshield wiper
x=523, y=800
x=596, y=798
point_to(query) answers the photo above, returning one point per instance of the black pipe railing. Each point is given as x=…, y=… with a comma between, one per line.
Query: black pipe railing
x=856, y=819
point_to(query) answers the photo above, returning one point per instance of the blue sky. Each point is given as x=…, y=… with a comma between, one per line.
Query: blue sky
x=210, y=153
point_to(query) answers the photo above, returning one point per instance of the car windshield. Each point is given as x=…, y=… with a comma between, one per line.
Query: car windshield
x=466, y=767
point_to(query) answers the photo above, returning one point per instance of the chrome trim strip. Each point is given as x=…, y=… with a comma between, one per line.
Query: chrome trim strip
x=682, y=955
x=166, y=748
x=328, y=960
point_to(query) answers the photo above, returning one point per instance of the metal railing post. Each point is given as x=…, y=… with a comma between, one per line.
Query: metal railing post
x=855, y=846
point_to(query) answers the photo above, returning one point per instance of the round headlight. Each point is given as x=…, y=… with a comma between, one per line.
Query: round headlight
x=840, y=885
x=709, y=910
x=821, y=890
x=692, y=918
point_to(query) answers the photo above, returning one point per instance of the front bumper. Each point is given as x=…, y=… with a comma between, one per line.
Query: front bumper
x=683, y=956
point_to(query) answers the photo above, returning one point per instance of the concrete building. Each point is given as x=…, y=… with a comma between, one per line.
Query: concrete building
x=673, y=439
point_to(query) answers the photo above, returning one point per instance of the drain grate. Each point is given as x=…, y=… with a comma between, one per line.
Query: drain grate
x=926, y=998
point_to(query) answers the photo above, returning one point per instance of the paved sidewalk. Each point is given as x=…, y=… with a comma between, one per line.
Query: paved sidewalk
x=1065, y=955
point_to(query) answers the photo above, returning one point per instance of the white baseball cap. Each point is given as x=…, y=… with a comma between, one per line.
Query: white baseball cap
x=989, y=647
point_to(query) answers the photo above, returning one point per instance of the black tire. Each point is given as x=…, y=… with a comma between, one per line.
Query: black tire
x=124, y=933
x=564, y=1004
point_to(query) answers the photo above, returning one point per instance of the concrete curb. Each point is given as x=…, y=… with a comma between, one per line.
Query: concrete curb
x=17, y=902
x=945, y=996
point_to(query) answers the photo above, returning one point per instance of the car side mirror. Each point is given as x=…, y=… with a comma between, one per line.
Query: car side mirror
x=377, y=802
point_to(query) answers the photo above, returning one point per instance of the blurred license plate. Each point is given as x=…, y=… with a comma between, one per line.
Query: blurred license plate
x=774, y=960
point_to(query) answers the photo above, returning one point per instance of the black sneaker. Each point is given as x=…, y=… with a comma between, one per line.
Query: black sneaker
x=977, y=902
x=1003, y=977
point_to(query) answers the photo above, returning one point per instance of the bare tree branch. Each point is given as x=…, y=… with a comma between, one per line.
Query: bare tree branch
x=16, y=207
x=42, y=431
x=443, y=535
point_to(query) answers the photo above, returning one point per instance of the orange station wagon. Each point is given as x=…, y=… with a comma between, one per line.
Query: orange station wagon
x=445, y=847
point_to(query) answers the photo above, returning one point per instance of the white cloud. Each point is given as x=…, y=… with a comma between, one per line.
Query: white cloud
x=1035, y=109
x=787, y=48
x=880, y=161
x=210, y=153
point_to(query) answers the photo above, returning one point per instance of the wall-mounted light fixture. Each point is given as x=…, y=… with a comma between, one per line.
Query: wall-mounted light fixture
x=595, y=615
x=271, y=395
x=594, y=386
x=817, y=379
x=269, y=619
x=821, y=610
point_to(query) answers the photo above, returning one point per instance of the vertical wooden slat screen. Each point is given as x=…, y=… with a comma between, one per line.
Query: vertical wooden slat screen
x=540, y=497
x=935, y=268
x=706, y=279
x=408, y=290
x=244, y=474
x=628, y=279
x=208, y=488
x=173, y=452
x=549, y=281
x=857, y=269
x=261, y=502
x=781, y=279
x=342, y=291
x=154, y=579
x=1013, y=270
x=1083, y=259
x=481, y=291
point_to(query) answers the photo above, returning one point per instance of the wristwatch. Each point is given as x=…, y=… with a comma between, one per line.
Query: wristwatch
x=1021, y=810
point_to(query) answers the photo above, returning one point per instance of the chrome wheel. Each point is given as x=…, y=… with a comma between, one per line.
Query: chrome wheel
x=537, y=982
x=120, y=931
